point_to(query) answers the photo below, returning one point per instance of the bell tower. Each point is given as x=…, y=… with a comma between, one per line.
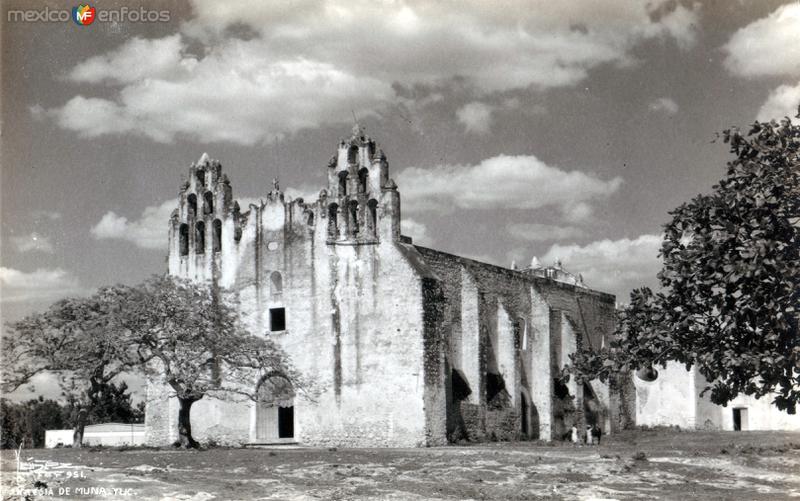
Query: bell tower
x=363, y=205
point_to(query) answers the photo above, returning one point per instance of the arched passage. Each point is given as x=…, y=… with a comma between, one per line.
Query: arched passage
x=274, y=408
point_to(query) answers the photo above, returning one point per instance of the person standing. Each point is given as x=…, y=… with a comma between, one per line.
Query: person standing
x=574, y=435
x=597, y=433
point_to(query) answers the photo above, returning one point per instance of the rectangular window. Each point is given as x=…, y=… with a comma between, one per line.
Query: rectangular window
x=277, y=319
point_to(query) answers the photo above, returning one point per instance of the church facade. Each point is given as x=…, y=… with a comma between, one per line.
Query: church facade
x=411, y=346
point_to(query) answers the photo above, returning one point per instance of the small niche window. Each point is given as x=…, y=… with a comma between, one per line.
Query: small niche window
x=372, y=205
x=353, y=217
x=184, y=239
x=363, y=176
x=217, y=235
x=208, y=205
x=192, y=204
x=342, y=183
x=352, y=154
x=200, y=238
x=201, y=177
x=276, y=283
x=310, y=220
x=277, y=319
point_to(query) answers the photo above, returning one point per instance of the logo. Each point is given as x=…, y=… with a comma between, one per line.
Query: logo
x=83, y=14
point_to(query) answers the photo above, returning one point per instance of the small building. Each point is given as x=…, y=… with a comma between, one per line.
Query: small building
x=670, y=396
x=105, y=434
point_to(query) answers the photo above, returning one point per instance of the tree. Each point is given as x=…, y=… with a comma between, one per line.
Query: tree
x=189, y=336
x=730, y=280
x=24, y=423
x=79, y=341
x=113, y=404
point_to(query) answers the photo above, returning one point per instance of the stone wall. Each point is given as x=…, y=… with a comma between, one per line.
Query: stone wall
x=498, y=322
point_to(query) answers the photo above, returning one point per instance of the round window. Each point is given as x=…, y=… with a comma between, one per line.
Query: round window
x=272, y=246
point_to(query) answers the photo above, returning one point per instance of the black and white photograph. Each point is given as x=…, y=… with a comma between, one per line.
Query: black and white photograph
x=400, y=250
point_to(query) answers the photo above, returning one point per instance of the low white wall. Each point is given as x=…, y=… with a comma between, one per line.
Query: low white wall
x=134, y=436
x=674, y=399
x=54, y=437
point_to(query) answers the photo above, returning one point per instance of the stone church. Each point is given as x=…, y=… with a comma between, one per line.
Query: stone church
x=413, y=346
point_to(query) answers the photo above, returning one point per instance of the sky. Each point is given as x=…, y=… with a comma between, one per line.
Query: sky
x=564, y=130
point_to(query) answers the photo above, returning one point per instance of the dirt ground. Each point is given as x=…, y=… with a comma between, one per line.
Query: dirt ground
x=662, y=464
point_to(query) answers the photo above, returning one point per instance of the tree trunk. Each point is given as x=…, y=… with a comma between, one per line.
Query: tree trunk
x=80, y=425
x=185, y=439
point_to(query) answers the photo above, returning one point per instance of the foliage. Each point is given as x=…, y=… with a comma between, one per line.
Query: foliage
x=185, y=334
x=79, y=341
x=112, y=405
x=24, y=423
x=730, y=280
x=190, y=337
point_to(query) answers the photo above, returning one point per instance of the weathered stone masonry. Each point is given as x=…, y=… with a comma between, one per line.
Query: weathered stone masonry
x=413, y=347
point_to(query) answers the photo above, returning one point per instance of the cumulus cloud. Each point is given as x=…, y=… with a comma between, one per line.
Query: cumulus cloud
x=476, y=117
x=310, y=63
x=416, y=230
x=535, y=232
x=124, y=63
x=767, y=47
x=503, y=182
x=44, y=284
x=150, y=231
x=241, y=92
x=782, y=102
x=33, y=242
x=664, y=105
x=615, y=266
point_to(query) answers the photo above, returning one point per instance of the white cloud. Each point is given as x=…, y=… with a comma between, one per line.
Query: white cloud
x=33, y=242
x=535, y=232
x=44, y=284
x=239, y=92
x=124, y=63
x=615, y=266
x=417, y=231
x=311, y=63
x=476, y=117
x=782, y=102
x=503, y=182
x=150, y=231
x=665, y=105
x=767, y=47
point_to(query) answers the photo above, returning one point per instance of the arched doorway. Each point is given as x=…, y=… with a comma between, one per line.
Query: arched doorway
x=274, y=409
